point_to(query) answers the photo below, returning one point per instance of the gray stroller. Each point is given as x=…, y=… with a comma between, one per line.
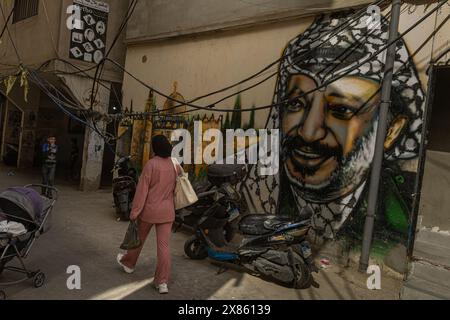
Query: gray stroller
x=24, y=217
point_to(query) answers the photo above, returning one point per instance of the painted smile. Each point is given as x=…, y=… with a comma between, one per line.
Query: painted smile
x=307, y=154
x=306, y=157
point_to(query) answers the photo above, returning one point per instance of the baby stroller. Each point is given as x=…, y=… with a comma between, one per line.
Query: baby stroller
x=24, y=217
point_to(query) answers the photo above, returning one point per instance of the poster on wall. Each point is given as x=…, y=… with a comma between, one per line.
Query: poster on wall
x=88, y=38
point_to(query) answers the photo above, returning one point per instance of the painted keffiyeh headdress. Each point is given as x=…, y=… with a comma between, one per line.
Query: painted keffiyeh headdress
x=323, y=53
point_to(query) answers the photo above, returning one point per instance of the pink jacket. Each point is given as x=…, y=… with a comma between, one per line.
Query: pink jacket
x=154, y=199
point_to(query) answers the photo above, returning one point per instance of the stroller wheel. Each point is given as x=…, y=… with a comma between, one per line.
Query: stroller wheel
x=2, y=295
x=39, y=280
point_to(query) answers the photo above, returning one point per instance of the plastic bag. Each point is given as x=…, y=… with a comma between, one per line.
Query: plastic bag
x=131, y=240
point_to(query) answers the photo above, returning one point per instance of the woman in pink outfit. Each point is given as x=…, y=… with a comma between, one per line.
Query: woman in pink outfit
x=153, y=205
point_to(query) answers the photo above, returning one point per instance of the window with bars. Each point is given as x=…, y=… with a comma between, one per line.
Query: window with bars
x=24, y=9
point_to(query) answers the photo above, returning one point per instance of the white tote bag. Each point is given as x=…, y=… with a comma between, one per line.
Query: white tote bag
x=184, y=195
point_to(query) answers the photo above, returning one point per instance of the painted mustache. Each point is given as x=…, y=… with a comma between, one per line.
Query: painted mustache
x=296, y=147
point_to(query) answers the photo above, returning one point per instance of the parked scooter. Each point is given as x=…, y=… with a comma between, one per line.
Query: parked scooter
x=124, y=187
x=273, y=247
x=221, y=187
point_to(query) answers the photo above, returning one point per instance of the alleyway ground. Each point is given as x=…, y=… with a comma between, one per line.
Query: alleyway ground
x=85, y=233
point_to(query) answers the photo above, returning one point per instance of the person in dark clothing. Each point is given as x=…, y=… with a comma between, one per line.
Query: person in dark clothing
x=49, y=151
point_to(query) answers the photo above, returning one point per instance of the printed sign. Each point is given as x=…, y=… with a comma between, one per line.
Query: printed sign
x=88, y=38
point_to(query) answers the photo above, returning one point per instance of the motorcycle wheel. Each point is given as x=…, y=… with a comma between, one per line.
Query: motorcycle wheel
x=195, y=249
x=303, y=276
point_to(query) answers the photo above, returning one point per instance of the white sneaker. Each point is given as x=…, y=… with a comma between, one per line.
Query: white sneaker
x=125, y=268
x=163, y=288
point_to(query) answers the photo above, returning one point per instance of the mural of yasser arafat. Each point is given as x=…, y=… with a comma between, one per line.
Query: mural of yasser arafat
x=328, y=127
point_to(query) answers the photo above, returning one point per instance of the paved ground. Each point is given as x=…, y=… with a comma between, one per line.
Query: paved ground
x=430, y=272
x=85, y=233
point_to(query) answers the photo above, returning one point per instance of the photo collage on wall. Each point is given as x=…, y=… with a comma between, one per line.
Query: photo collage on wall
x=88, y=42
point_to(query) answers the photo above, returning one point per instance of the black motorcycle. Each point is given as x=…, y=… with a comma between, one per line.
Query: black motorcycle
x=124, y=187
x=272, y=247
x=221, y=187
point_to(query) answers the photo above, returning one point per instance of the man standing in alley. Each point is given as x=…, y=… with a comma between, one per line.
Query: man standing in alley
x=49, y=151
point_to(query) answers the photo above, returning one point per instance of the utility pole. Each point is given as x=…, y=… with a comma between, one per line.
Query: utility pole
x=381, y=137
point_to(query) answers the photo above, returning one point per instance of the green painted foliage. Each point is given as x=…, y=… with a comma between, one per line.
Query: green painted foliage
x=236, y=119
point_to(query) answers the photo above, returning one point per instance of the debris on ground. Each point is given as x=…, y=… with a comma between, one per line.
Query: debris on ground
x=325, y=263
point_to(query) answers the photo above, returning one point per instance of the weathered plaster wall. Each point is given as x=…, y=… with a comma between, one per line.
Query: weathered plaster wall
x=204, y=64
x=161, y=19
x=46, y=36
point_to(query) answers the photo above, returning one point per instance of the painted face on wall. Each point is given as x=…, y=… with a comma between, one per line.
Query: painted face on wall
x=331, y=87
x=328, y=134
x=325, y=130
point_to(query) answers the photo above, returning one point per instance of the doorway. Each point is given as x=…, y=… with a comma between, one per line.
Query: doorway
x=109, y=157
x=12, y=119
x=435, y=203
x=70, y=135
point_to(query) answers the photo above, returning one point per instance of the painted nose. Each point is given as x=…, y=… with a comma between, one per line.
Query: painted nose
x=313, y=127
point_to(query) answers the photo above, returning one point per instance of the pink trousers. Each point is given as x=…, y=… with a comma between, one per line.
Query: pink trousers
x=163, y=233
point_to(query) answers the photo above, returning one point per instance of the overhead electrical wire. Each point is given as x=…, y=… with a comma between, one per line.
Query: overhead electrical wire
x=87, y=75
x=61, y=103
x=339, y=28
x=43, y=85
x=6, y=22
x=272, y=75
x=101, y=64
x=107, y=139
x=158, y=112
x=347, y=23
x=9, y=33
x=265, y=107
x=325, y=84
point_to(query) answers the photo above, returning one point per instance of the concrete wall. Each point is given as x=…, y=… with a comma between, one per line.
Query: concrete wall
x=46, y=36
x=159, y=19
x=33, y=36
x=204, y=64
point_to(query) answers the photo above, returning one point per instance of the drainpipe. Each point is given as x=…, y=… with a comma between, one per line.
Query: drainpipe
x=381, y=137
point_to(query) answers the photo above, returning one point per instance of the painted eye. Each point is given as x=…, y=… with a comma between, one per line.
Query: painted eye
x=296, y=105
x=341, y=111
